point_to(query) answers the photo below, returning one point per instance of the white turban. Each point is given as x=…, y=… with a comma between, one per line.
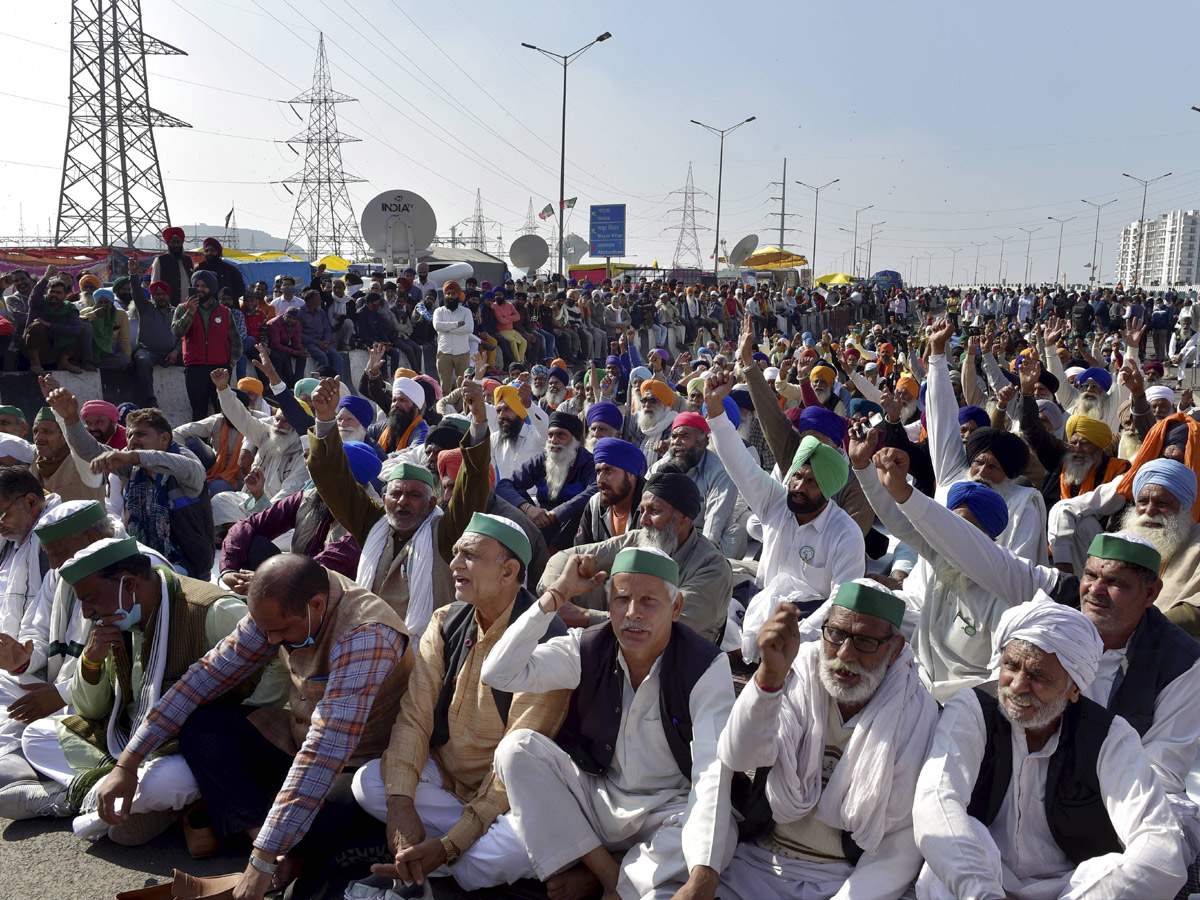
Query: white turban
x=20, y=450
x=1160, y=392
x=771, y=373
x=410, y=389
x=1054, y=628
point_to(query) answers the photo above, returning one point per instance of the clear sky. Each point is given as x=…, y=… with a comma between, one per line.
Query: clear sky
x=959, y=122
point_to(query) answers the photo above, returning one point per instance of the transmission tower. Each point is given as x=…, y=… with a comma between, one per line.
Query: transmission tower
x=112, y=188
x=530, y=226
x=324, y=219
x=687, y=248
x=478, y=238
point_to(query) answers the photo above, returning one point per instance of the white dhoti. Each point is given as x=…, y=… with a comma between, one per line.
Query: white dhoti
x=498, y=857
x=930, y=887
x=570, y=813
x=231, y=506
x=10, y=728
x=754, y=873
x=164, y=782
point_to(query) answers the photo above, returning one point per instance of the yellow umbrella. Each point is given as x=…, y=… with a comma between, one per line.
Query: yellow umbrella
x=835, y=278
x=774, y=258
x=333, y=263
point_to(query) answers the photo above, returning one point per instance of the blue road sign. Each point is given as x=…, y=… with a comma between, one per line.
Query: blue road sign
x=607, y=234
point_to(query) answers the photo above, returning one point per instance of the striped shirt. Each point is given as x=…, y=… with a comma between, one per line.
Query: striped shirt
x=359, y=662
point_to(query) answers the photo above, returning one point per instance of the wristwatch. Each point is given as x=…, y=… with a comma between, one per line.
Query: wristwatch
x=262, y=865
x=452, y=853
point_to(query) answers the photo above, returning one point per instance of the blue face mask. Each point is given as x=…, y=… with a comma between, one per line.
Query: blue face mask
x=129, y=617
x=310, y=640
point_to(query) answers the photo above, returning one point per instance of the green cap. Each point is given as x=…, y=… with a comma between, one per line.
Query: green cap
x=97, y=556
x=410, y=472
x=870, y=602
x=1126, y=549
x=506, y=531
x=68, y=521
x=45, y=414
x=13, y=411
x=645, y=561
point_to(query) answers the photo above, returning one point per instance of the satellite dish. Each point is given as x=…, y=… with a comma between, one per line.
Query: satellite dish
x=742, y=250
x=459, y=272
x=398, y=225
x=529, y=252
x=574, y=248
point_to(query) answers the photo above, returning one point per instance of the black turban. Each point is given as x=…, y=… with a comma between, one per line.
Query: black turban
x=569, y=422
x=676, y=489
x=445, y=436
x=1010, y=451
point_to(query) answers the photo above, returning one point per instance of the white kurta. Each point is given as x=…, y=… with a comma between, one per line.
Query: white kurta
x=821, y=554
x=1171, y=740
x=508, y=457
x=643, y=781
x=1032, y=866
x=1025, y=533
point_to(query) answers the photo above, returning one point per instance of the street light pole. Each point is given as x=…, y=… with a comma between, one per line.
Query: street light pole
x=977, y=244
x=1061, y=224
x=929, y=268
x=953, y=261
x=1145, y=183
x=812, y=263
x=871, y=245
x=854, y=258
x=1096, y=236
x=565, y=59
x=1028, y=240
x=1000, y=265
x=721, y=132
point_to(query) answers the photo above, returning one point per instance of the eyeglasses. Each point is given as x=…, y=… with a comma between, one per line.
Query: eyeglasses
x=863, y=643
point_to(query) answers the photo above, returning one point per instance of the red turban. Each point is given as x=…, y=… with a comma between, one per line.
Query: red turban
x=172, y=232
x=157, y=285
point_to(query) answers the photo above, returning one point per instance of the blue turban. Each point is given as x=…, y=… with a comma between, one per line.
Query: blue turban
x=731, y=410
x=697, y=363
x=364, y=462
x=612, y=360
x=641, y=372
x=806, y=335
x=821, y=420
x=976, y=414
x=742, y=398
x=608, y=413
x=359, y=407
x=761, y=357
x=1096, y=374
x=985, y=504
x=860, y=406
x=1171, y=474
x=561, y=374
x=540, y=370
x=621, y=454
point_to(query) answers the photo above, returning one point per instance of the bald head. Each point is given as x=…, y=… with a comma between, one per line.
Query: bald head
x=290, y=580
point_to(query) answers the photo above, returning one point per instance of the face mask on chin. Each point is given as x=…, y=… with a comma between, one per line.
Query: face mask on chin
x=310, y=640
x=128, y=617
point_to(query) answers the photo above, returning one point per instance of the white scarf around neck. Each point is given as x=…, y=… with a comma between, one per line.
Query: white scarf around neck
x=420, y=551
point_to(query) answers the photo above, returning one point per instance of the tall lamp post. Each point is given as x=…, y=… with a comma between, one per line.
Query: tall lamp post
x=871, y=245
x=1061, y=224
x=566, y=60
x=977, y=244
x=929, y=268
x=1000, y=265
x=854, y=258
x=721, y=132
x=1145, y=183
x=812, y=262
x=1096, y=236
x=953, y=261
x=1028, y=240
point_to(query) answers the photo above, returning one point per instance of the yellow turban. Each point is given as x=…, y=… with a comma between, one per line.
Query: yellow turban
x=822, y=372
x=1091, y=430
x=661, y=391
x=508, y=394
x=909, y=384
x=402, y=372
x=696, y=383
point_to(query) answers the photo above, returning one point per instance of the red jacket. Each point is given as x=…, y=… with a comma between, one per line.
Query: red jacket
x=208, y=346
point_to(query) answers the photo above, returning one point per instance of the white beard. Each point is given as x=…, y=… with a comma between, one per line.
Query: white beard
x=558, y=466
x=1168, y=539
x=1046, y=712
x=278, y=444
x=1091, y=405
x=648, y=422
x=1076, y=471
x=556, y=397
x=745, y=427
x=868, y=680
x=910, y=413
x=824, y=393
x=352, y=433
x=666, y=540
x=539, y=392
x=1128, y=446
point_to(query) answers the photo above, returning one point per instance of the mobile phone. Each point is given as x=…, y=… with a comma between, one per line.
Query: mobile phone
x=876, y=420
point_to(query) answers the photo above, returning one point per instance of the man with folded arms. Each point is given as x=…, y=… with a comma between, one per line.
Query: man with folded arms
x=266, y=772
x=845, y=726
x=436, y=787
x=632, y=797
x=1032, y=790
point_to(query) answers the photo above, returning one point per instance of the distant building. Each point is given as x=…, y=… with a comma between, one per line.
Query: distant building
x=1170, y=250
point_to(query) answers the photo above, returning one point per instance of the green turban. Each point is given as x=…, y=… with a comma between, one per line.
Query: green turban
x=828, y=465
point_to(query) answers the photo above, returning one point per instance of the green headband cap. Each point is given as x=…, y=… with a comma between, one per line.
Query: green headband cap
x=870, y=602
x=81, y=567
x=1112, y=546
x=646, y=562
x=411, y=472
x=507, y=532
x=72, y=524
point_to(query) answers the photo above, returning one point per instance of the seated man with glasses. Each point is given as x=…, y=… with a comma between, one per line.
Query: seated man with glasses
x=845, y=725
